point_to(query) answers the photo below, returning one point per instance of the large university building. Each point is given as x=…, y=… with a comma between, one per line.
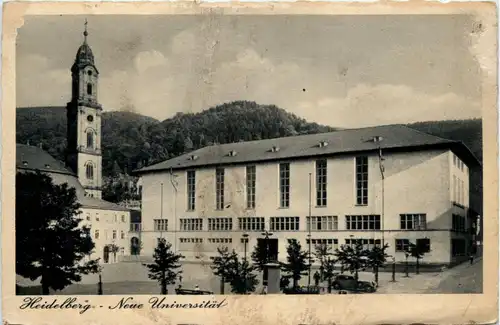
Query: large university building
x=82, y=170
x=387, y=184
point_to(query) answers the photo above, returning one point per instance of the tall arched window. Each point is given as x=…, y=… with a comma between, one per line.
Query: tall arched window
x=89, y=171
x=90, y=139
x=89, y=89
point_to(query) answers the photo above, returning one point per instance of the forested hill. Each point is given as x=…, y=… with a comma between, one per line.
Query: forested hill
x=131, y=140
x=467, y=131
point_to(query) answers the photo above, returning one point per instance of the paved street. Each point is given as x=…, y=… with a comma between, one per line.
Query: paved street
x=464, y=278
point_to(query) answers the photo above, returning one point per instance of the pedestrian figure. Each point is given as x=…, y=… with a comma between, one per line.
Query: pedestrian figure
x=316, y=278
x=471, y=259
x=196, y=288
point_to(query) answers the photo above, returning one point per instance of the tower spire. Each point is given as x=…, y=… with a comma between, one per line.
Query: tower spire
x=85, y=33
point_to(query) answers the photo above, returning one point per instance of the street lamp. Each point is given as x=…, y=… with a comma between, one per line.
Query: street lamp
x=245, y=242
x=393, y=269
x=406, y=264
x=266, y=235
x=309, y=235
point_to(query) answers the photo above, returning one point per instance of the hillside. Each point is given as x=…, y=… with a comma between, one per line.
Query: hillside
x=131, y=140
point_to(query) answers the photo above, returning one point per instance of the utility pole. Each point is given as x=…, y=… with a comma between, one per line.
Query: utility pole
x=309, y=235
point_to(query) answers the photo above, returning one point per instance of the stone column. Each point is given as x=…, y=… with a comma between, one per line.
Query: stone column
x=273, y=278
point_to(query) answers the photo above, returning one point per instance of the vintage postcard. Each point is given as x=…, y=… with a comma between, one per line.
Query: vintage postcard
x=246, y=163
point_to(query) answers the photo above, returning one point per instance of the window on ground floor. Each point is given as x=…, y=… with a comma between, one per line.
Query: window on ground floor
x=368, y=243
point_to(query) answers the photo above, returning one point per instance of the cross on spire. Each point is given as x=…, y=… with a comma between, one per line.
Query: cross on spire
x=85, y=33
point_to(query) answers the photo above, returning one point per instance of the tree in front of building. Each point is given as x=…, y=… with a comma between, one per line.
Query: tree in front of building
x=296, y=262
x=241, y=276
x=417, y=251
x=325, y=257
x=376, y=258
x=221, y=266
x=50, y=242
x=113, y=249
x=165, y=268
x=259, y=255
x=352, y=257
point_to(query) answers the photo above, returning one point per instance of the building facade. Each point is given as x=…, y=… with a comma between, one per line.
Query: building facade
x=108, y=222
x=335, y=188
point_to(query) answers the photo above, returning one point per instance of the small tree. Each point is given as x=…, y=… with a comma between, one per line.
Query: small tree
x=259, y=256
x=352, y=258
x=50, y=242
x=166, y=262
x=241, y=278
x=221, y=266
x=296, y=262
x=327, y=263
x=376, y=258
x=113, y=249
x=417, y=251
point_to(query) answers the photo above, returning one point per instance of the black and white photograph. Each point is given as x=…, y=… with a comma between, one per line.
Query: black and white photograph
x=213, y=154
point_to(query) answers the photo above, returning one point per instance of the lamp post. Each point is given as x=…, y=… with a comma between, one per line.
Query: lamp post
x=309, y=235
x=406, y=264
x=266, y=235
x=245, y=241
x=393, y=269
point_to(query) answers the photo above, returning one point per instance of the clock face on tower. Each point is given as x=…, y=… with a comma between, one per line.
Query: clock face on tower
x=90, y=118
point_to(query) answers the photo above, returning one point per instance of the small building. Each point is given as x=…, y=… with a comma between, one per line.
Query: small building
x=109, y=222
x=388, y=184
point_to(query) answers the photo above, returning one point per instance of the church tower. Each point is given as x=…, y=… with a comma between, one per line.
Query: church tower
x=83, y=113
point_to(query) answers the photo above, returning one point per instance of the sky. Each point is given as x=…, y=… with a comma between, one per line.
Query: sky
x=342, y=71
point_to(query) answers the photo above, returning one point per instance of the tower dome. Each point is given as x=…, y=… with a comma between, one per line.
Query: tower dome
x=84, y=55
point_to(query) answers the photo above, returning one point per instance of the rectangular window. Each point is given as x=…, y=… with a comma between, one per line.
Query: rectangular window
x=191, y=190
x=135, y=227
x=160, y=224
x=458, y=223
x=219, y=188
x=331, y=243
x=251, y=224
x=191, y=224
x=424, y=245
x=362, y=180
x=220, y=224
x=284, y=223
x=122, y=234
x=454, y=160
x=251, y=177
x=413, y=221
x=364, y=222
x=367, y=243
x=458, y=247
x=123, y=218
x=322, y=223
x=321, y=176
x=402, y=245
x=191, y=240
x=96, y=234
x=455, y=188
x=220, y=240
x=284, y=185
x=114, y=234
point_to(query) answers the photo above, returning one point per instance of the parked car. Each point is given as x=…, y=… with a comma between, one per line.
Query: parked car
x=348, y=282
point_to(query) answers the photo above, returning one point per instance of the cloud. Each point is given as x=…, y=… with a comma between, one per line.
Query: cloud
x=367, y=105
x=39, y=84
x=194, y=73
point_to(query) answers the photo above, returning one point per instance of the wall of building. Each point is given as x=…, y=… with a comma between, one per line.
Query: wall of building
x=415, y=183
x=108, y=227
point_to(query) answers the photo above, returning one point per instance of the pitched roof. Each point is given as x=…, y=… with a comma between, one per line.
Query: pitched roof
x=30, y=158
x=393, y=137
